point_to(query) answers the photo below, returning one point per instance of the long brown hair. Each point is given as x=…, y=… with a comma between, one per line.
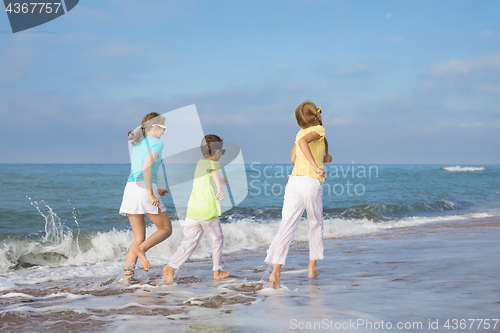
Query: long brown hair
x=307, y=115
x=147, y=123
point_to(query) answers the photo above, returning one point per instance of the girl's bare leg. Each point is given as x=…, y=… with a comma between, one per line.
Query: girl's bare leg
x=139, y=230
x=164, y=226
x=313, y=273
x=274, y=278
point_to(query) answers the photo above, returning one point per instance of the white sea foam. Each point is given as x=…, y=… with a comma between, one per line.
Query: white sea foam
x=459, y=168
x=104, y=252
x=13, y=295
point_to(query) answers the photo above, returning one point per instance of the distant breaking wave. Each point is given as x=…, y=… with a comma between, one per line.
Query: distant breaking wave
x=458, y=168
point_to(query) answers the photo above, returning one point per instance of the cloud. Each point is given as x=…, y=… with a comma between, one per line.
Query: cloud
x=477, y=124
x=396, y=39
x=109, y=75
x=15, y=62
x=77, y=37
x=213, y=118
x=160, y=9
x=305, y=86
x=485, y=34
x=85, y=14
x=438, y=126
x=355, y=70
x=453, y=67
x=162, y=56
x=398, y=101
x=489, y=88
x=346, y=120
x=111, y=50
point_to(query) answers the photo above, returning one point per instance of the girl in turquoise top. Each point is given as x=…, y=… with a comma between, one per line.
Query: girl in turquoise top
x=141, y=196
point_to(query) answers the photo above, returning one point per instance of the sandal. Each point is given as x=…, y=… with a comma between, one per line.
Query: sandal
x=129, y=271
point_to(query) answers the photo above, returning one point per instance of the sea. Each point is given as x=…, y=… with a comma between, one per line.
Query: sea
x=63, y=247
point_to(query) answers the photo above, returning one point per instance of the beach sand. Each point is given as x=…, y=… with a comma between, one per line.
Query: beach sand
x=407, y=277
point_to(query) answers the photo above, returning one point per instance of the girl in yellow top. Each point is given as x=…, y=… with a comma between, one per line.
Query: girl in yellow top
x=303, y=191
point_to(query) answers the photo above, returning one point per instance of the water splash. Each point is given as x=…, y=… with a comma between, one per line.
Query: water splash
x=55, y=247
x=55, y=231
x=73, y=214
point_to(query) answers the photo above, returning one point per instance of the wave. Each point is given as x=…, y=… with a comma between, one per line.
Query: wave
x=459, y=168
x=386, y=212
x=60, y=246
x=370, y=211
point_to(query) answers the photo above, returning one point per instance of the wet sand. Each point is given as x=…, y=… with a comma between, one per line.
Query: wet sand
x=438, y=271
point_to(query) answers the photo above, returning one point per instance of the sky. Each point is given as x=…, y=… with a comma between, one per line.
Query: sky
x=404, y=81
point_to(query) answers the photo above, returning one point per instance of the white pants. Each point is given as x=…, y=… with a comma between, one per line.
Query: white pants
x=192, y=237
x=301, y=193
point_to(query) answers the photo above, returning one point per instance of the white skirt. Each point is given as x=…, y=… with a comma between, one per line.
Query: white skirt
x=136, y=200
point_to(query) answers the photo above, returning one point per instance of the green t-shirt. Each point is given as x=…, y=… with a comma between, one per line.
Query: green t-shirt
x=202, y=203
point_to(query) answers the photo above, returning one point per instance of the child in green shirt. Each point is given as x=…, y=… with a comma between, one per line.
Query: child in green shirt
x=203, y=211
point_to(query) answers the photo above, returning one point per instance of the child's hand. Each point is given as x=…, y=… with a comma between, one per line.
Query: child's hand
x=220, y=195
x=319, y=171
x=162, y=191
x=154, y=200
x=327, y=158
x=223, y=181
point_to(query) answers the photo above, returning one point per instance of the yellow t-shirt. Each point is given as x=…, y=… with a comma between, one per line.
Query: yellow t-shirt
x=302, y=166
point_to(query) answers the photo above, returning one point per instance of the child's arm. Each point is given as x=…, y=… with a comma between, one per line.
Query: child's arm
x=293, y=155
x=327, y=158
x=304, y=147
x=148, y=177
x=215, y=175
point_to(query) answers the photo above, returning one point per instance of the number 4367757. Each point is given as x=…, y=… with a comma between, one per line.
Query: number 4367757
x=474, y=324
x=33, y=7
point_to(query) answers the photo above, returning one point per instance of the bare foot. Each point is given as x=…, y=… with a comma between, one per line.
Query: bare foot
x=313, y=273
x=142, y=256
x=168, y=275
x=221, y=275
x=274, y=278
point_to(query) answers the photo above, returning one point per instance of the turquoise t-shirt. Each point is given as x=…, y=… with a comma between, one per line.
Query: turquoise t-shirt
x=202, y=203
x=139, y=154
